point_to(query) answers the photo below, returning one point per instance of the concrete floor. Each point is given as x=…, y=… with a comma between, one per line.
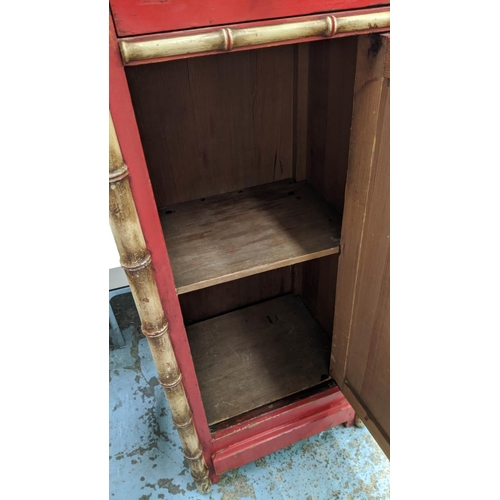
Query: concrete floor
x=146, y=461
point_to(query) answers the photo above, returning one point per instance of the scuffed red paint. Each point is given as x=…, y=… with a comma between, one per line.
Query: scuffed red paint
x=140, y=17
x=279, y=429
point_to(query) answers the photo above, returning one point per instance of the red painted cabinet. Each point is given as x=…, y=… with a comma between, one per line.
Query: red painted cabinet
x=254, y=139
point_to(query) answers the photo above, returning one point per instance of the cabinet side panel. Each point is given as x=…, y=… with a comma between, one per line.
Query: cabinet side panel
x=331, y=82
x=317, y=288
x=360, y=347
x=215, y=124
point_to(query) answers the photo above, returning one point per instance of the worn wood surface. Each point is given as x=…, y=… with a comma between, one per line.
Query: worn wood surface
x=215, y=124
x=231, y=236
x=253, y=356
x=209, y=302
x=331, y=83
x=360, y=347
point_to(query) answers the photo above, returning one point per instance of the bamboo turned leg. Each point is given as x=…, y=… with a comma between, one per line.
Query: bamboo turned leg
x=136, y=261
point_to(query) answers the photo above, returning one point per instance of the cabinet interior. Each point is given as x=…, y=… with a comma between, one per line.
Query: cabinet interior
x=247, y=154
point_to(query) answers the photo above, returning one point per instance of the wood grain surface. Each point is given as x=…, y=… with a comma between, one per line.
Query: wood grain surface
x=317, y=288
x=360, y=347
x=332, y=65
x=219, y=299
x=216, y=124
x=231, y=236
x=368, y=363
x=257, y=355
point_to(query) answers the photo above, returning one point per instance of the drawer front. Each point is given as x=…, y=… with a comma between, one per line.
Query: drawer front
x=140, y=17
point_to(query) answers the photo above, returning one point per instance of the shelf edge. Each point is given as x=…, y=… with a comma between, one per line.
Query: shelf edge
x=256, y=270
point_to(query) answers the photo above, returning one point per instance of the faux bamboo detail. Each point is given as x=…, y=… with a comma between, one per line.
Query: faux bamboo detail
x=141, y=265
x=226, y=39
x=180, y=426
x=363, y=22
x=171, y=385
x=155, y=333
x=118, y=174
x=136, y=260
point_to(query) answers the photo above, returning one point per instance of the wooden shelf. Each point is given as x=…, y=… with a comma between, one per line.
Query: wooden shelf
x=257, y=355
x=230, y=236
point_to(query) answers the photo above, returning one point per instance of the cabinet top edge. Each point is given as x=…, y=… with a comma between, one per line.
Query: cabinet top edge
x=143, y=17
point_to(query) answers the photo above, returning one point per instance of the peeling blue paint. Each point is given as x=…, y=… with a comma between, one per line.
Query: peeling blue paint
x=146, y=461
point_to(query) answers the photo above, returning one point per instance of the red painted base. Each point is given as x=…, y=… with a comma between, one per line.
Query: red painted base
x=260, y=436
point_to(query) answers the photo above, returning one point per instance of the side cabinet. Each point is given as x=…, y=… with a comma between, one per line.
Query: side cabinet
x=249, y=200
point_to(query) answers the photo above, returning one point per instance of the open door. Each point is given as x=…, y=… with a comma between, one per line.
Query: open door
x=360, y=349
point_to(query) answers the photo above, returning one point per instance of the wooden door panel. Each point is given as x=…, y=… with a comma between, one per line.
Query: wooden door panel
x=368, y=357
x=360, y=348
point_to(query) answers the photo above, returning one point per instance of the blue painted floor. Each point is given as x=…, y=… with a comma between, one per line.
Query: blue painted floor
x=146, y=461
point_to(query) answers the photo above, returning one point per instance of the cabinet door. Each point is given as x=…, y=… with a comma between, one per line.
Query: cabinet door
x=360, y=348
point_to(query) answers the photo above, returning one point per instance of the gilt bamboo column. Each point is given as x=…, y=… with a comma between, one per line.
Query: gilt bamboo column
x=136, y=261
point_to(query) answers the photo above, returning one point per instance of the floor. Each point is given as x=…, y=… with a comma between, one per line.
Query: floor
x=146, y=461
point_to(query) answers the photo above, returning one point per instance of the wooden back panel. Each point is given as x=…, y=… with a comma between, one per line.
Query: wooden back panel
x=220, y=299
x=215, y=124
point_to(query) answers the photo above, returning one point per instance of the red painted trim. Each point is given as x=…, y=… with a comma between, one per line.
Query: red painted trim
x=139, y=17
x=278, y=436
x=295, y=411
x=120, y=105
x=338, y=15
